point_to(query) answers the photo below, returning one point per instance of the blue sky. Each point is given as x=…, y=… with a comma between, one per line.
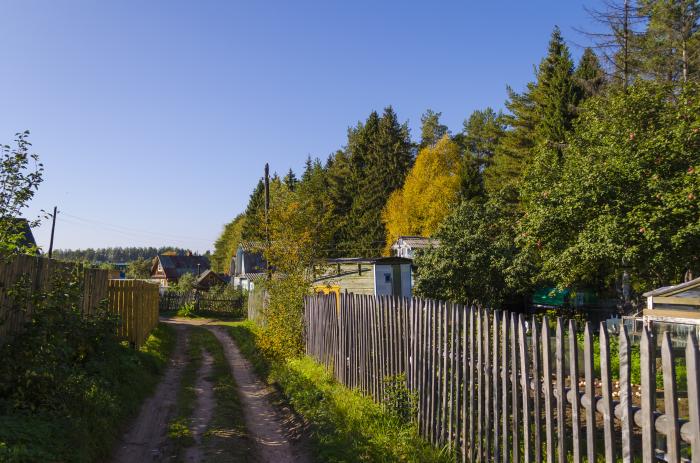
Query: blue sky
x=154, y=119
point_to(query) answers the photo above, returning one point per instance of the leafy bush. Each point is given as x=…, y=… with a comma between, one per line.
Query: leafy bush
x=399, y=400
x=68, y=382
x=187, y=310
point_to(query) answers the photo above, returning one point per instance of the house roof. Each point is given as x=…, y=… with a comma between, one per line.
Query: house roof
x=417, y=242
x=256, y=276
x=20, y=225
x=209, y=273
x=688, y=286
x=372, y=260
x=176, y=266
x=252, y=246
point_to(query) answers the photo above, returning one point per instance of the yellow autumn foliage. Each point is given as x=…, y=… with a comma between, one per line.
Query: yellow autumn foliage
x=431, y=189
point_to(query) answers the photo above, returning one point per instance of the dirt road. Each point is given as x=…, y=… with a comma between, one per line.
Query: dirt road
x=146, y=439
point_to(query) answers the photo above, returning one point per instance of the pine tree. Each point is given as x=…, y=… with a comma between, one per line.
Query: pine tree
x=431, y=129
x=481, y=135
x=671, y=42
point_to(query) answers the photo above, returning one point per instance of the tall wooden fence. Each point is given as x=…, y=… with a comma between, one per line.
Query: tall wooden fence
x=23, y=276
x=136, y=302
x=256, y=305
x=496, y=387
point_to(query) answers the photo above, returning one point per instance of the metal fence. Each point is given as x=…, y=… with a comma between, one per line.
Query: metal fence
x=493, y=386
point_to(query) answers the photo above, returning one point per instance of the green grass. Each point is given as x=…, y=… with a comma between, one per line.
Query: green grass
x=345, y=425
x=85, y=430
x=226, y=438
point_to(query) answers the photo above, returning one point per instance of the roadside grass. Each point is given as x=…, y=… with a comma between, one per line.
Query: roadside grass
x=345, y=425
x=226, y=438
x=111, y=389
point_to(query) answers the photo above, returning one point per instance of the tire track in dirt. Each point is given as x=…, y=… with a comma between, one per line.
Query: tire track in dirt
x=204, y=409
x=264, y=424
x=146, y=439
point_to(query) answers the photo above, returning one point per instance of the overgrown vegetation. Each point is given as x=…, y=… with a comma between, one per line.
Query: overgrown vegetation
x=345, y=425
x=68, y=383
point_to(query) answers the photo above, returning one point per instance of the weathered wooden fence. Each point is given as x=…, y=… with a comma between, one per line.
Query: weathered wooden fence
x=256, y=305
x=495, y=387
x=231, y=306
x=136, y=302
x=22, y=276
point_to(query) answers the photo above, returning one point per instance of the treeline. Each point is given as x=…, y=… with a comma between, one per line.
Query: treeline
x=115, y=254
x=590, y=174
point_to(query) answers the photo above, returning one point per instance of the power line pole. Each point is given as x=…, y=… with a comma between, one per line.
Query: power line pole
x=53, y=228
x=267, y=216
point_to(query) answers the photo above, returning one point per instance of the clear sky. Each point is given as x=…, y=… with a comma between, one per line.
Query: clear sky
x=154, y=119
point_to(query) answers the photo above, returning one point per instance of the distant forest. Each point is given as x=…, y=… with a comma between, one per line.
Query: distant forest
x=114, y=255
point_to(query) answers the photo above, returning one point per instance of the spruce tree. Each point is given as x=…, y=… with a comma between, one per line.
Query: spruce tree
x=589, y=76
x=254, y=226
x=290, y=180
x=481, y=135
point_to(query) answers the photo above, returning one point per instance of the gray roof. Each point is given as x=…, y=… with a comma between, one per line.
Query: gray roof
x=419, y=242
x=673, y=289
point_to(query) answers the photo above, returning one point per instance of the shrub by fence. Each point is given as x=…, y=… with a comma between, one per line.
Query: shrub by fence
x=495, y=387
x=23, y=276
x=136, y=302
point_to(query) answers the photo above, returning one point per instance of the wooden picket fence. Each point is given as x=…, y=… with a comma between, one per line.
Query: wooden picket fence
x=494, y=387
x=136, y=302
x=31, y=275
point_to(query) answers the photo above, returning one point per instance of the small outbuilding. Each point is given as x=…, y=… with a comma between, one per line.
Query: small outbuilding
x=674, y=304
x=384, y=276
x=168, y=269
x=248, y=266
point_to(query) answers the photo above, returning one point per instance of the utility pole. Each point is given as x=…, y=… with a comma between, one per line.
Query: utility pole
x=267, y=216
x=53, y=227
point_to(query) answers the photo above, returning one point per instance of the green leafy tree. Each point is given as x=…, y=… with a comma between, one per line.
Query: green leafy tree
x=20, y=177
x=475, y=260
x=139, y=268
x=226, y=245
x=627, y=196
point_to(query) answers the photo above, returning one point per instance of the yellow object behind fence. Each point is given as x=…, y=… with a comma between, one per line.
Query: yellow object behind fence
x=136, y=302
x=328, y=289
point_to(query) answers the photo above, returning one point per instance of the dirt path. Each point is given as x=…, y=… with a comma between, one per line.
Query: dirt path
x=147, y=437
x=264, y=424
x=204, y=410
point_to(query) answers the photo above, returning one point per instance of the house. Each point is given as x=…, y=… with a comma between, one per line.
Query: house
x=405, y=246
x=384, y=276
x=19, y=226
x=209, y=279
x=248, y=266
x=168, y=269
x=678, y=304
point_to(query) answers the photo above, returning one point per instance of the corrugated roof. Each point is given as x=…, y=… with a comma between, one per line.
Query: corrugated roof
x=419, y=242
x=668, y=290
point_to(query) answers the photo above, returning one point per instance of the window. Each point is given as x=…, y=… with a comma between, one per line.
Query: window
x=387, y=277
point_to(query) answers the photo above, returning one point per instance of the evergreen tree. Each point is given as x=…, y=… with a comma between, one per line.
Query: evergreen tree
x=254, y=225
x=481, y=135
x=555, y=94
x=671, y=42
x=380, y=156
x=431, y=129
x=589, y=76
x=290, y=180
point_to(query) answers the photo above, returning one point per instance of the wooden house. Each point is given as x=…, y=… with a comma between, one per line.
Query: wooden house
x=384, y=276
x=405, y=246
x=209, y=278
x=248, y=266
x=674, y=304
x=168, y=269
